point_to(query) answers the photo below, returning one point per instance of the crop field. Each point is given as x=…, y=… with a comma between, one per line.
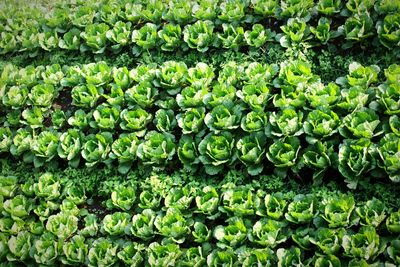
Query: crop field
x=200, y=133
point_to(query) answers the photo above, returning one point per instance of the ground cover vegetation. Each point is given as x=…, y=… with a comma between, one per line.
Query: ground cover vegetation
x=200, y=133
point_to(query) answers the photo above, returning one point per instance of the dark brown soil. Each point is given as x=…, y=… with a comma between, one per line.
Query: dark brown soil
x=64, y=100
